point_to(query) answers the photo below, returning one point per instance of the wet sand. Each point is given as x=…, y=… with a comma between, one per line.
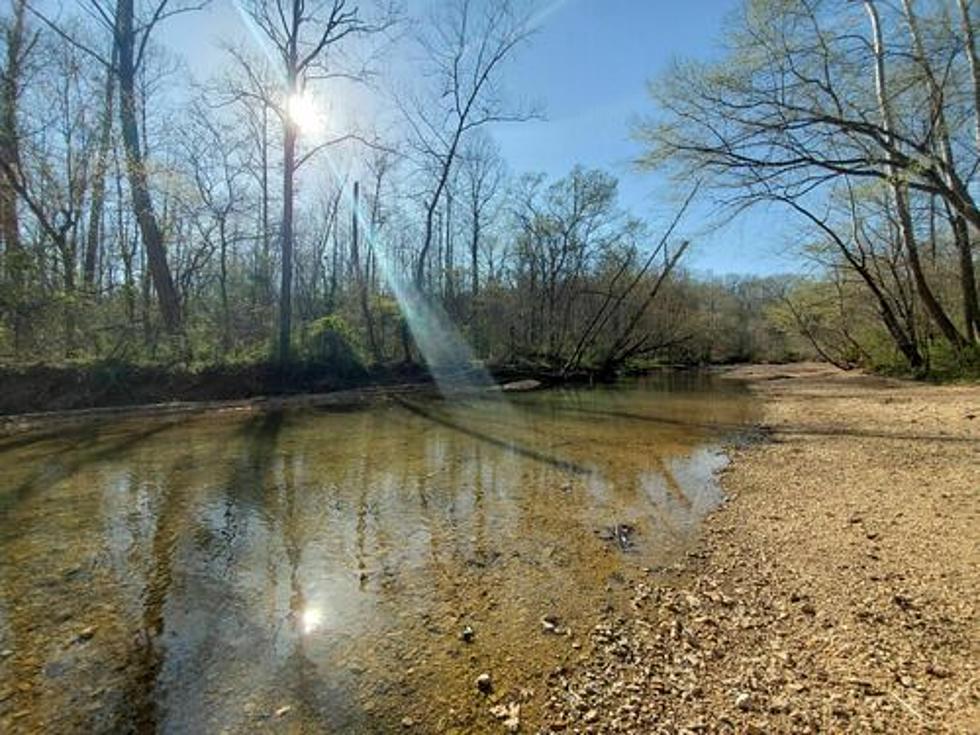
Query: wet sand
x=836, y=591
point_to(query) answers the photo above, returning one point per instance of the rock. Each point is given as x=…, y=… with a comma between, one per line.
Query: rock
x=408, y=722
x=549, y=624
x=6, y=653
x=510, y=714
x=283, y=711
x=86, y=634
x=484, y=683
x=591, y=716
x=904, y=601
x=744, y=701
x=779, y=706
x=518, y=386
x=466, y=635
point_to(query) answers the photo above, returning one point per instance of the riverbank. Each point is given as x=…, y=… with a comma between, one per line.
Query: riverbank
x=836, y=591
x=30, y=392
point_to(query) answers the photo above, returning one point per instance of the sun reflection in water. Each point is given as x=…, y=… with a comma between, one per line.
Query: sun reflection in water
x=311, y=619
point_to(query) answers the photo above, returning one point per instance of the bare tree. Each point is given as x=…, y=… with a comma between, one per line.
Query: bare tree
x=130, y=41
x=303, y=34
x=898, y=188
x=791, y=114
x=18, y=45
x=482, y=173
x=467, y=49
x=99, y=179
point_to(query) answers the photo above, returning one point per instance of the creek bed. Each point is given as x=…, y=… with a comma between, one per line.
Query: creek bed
x=324, y=570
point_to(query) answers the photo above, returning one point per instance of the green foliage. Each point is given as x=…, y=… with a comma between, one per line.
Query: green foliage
x=330, y=341
x=948, y=365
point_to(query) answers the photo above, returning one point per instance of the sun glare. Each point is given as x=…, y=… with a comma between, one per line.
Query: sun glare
x=304, y=114
x=311, y=619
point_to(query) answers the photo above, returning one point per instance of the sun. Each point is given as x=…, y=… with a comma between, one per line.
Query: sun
x=303, y=113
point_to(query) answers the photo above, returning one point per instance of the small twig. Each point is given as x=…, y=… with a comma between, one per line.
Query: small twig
x=909, y=707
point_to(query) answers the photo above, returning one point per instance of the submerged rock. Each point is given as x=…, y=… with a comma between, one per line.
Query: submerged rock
x=620, y=534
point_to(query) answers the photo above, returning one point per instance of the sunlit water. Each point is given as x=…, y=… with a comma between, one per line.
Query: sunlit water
x=313, y=571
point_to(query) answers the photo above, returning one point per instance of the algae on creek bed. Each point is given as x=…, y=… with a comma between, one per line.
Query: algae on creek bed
x=314, y=570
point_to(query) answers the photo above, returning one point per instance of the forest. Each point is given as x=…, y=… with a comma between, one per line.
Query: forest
x=489, y=366
x=151, y=218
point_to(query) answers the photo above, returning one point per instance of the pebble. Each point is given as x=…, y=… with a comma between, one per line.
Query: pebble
x=467, y=634
x=744, y=701
x=484, y=683
x=285, y=710
x=408, y=722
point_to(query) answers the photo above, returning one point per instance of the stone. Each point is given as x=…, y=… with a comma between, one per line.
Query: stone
x=407, y=722
x=744, y=701
x=467, y=634
x=484, y=683
x=283, y=711
x=519, y=386
x=510, y=714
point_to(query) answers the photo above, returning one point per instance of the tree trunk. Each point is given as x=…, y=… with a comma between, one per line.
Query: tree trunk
x=266, y=250
x=223, y=280
x=971, y=55
x=286, y=285
x=899, y=193
x=98, y=183
x=968, y=277
x=10, y=154
x=958, y=224
x=136, y=170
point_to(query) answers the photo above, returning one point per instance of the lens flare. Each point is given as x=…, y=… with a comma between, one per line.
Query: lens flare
x=303, y=113
x=311, y=619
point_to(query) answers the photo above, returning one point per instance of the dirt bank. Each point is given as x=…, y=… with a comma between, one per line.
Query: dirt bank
x=835, y=592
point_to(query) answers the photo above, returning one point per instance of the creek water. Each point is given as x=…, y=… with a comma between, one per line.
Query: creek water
x=314, y=570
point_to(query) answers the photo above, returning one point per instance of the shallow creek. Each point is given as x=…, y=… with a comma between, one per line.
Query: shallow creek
x=328, y=570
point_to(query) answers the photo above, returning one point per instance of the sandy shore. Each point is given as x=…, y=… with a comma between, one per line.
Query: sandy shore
x=836, y=591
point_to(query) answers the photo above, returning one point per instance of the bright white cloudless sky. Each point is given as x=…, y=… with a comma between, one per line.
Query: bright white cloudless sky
x=588, y=64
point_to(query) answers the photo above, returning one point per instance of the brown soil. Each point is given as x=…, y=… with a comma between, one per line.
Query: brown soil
x=837, y=591
x=59, y=388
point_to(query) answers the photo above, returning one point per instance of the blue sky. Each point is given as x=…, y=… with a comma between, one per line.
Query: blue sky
x=588, y=65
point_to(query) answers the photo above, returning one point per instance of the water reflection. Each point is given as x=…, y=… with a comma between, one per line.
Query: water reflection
x=312, y=571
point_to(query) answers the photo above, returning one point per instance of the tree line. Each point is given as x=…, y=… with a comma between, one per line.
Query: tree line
x=147, y=216
x=861, y=119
